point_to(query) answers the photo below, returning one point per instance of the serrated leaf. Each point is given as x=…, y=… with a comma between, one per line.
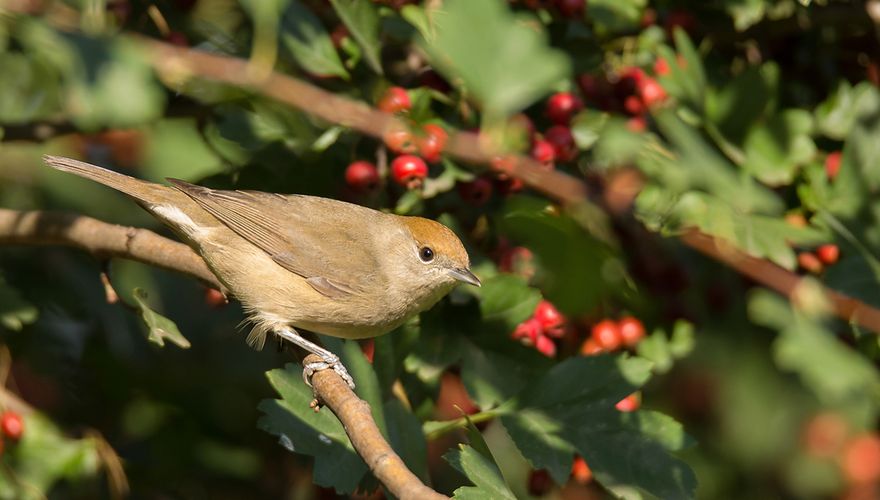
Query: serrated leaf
x=407, y=438
x=160, y=327
x=306, y=40
x=503, y=63
x=362, y=21
x=482, y=471
x=492, y=378
x=507, y=299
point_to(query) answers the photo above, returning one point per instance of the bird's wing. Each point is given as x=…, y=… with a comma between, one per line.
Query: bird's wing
x=306, y=235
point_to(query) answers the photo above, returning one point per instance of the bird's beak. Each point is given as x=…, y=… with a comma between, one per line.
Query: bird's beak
x=464, y=275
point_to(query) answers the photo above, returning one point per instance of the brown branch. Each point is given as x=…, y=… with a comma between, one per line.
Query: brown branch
x=357, y=419
x=103, y=240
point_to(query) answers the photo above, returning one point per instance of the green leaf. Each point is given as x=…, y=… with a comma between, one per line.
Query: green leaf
x=406, y=437
x=587, y=128
x=362, y=21
x=305, y=38
x=491, y=377
x=743, y=101
x=161, y=328
x=614, y=16
x=836, y=116
x=318, y=434
x=775, y=150
x=482, y=471
x=505, y=64
x=15, y=312
x=507, y=299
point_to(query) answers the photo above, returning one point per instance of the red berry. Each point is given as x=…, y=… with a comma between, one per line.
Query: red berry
x=571, y=8
x=861, y=459
x=630, y=403
x=528, y=331
x=563, y=142
x=552, y=321
x=409, y=170
x=633, y=105
x=832, y=164
x=432, y=142
x=362, y=176
x=544, y=152
x=476, y=192
x=591, y=348
x=12, y=425
x=540, y=482
x=400, y=140
x=629, y=80
x=637, y=124
x=631, y=330
x=394, y=100
x=561, y=106
x=809, y=262
x=652, y=92
x=508, y=185
x=580, y=471
x=661, y=67
x=825, y=434
x=545, y=346
x=828, y=253
x=517, y=260
x=368, y=347
x=215, y=298
x=607, y=335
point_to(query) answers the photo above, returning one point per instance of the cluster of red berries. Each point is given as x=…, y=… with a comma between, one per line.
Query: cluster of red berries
x=829, y=436
x=556, y=144
x=816, y=261
x=631, y=91
x=11, y=425
x=545, y=324
x=609, y=335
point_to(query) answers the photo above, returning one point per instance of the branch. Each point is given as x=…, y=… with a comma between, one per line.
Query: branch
x=357, y=419
x=102, y=240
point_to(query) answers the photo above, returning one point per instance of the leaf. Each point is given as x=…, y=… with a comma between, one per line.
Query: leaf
x=507, y=299
x=836, y=115
x=161, y=328
x=614, y=16
x=503, y=63
x=15, y=312
x=482, y=471
x=305, y=38
x=743, y=101
x=776, y=149
x=318, y=434
x=571, y=410
x=406, y=437
x=587, y=127
x=491, y=377
x=362, y=21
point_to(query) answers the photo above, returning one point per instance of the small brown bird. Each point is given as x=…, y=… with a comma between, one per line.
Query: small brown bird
x=304, y=262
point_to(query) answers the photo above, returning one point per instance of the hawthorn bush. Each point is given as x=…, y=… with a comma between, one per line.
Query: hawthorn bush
x=608, y=349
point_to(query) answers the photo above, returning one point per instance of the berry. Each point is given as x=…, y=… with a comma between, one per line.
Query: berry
x=544, y=152
x=607, y=335
x=508, y=185
x=629, y=80
x=633, y=105
x=809, y=262
x=528, y=331
x=400, y=140
x=825, y=434
x=651, y=92
x=368, y=347
x=580, y=471
x=12, y=425
x=630, y=403
x=832, y=164
x=828, y=253
x=362, y=176
x=517, y=260
x=409, y=170
x=432, y=142
x=215, y=298
x=661, y=67
x=571, y=8
x=476, y=192
x=861, y=459
x=591, y=348
x=631, y=330
x=545, y=346
x=637, y=124
x=563, y=142
x=394, y=100
x=561, y=106
x=540, y=482
x=552, y=321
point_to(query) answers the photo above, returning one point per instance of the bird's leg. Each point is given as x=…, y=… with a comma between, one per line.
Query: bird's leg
x=328, y=359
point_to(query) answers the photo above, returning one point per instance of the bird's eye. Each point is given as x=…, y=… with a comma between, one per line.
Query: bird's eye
x=426, y=254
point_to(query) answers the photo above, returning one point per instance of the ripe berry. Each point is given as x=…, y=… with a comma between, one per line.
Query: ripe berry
x=368, y=347
x=545, y=346
x=540, y=482
x=580, y=471
x=633, y=105
x=528, y=331
x=652, y=92
x=637, y=124
x=362, y=176
x=400, y=140
x=628, y=81
x=629, y=403
x=432, y=142
x=476, y=192
x=12, y=425
x=607, y=335
x=631, y=330
x=563, y=142
x=591, y=348
x=544, y=152
x=825, y=434
x=508, y=185
x=809, y=262
x=828, y=253
x=832, y=164
x=661, y=67
x=561, y=106
x=394, y=100
x=571, y=8
x=861, y=459
x=215, y=298
x=409, y=170
x=552, y=321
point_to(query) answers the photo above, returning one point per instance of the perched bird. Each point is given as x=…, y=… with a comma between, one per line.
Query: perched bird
x=304, y=262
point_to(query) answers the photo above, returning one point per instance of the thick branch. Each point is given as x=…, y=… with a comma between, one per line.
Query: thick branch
x=356, y=418
x=102, y=240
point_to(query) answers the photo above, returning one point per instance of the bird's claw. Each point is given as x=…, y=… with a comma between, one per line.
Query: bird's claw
x=309, y=369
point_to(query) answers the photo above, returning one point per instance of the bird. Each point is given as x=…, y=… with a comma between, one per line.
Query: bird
x=304, y=263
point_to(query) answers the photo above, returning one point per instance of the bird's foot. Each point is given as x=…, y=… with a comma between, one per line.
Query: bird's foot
x=331, y=361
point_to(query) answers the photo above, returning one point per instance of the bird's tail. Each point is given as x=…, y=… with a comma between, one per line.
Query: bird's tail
x=143, y=191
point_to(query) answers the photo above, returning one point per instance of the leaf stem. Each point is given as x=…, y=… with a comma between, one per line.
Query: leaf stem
x=462, y=422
